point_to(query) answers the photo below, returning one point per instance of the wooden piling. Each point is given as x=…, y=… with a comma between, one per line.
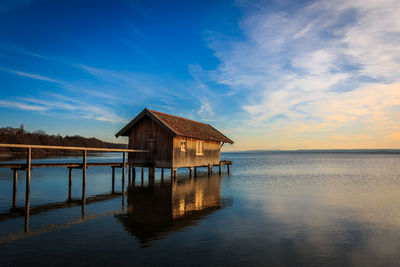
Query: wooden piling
x=84, y=166
x=15, y=188
x=113, y=180
x=123, y=172
x=133, y=175
x=219, y=169
x=162, y=174
x=228, y=165
x=70, y=184
x=129, y=175
x=195, y=171
x=28, y=187
x=209, y=169
x=190, y=172
x=152, y=175
x=142, y=175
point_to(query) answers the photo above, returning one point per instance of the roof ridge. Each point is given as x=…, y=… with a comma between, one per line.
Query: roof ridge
x=177, y=116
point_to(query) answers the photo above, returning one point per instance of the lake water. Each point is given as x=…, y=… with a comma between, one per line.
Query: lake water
x=273, y=209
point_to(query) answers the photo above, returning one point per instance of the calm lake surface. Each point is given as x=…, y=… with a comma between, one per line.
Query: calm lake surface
x=273, y=209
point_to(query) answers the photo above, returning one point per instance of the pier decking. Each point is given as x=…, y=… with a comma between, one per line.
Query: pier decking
x=28, y=166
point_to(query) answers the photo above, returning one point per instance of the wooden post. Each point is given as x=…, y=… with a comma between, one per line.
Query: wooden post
x=129, y=175
x=15, y=188
x=123, y=172
x=70, y=184
x=195, y=171
x=133, y=175
x=174, y=173
x=220, y=168
x=162, y=174
x=152, y=174
x=209, y=169
x=28, y=187
x=84, y=166
x=113, y=180
x=228, y=165
x=142, y=175
x=190, y=172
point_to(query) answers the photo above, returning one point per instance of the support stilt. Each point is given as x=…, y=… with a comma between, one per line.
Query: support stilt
x=123, y=173
x=219, y=169
x=113, y=180
x=28, y=187
x=152, y=175
x=129, y=175
x=70, y=184
x=84, y=166
x=133, y=175
x=15, y=188
x=142, y=176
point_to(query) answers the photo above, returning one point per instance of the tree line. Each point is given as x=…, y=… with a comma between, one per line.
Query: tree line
x=10, y=135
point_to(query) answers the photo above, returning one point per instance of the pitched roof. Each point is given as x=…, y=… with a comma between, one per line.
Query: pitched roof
x=179, y=126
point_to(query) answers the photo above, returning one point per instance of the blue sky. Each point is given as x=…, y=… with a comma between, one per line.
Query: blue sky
x=269, y=74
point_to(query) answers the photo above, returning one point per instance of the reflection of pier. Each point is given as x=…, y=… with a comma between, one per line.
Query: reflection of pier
x=157, y=210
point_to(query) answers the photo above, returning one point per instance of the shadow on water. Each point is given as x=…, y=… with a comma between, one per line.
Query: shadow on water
x=155, y=211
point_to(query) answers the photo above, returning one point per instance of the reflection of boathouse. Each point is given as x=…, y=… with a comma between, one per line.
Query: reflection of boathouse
x=156, y=211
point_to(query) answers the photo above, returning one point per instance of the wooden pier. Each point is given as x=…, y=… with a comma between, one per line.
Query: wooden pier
x=28, y=166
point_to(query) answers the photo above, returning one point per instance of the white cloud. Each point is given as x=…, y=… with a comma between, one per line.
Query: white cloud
x=29, y=75
x=68, y=106
x=21, y=105
x=329, y=63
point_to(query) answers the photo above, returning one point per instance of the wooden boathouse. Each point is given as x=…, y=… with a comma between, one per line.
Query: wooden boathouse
x=173, y=142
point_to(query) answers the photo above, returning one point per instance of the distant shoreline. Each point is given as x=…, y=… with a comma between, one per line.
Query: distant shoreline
x=322, y=151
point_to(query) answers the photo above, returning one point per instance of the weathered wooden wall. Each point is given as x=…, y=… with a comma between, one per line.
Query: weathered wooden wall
x=149, y=135
x=188, y=158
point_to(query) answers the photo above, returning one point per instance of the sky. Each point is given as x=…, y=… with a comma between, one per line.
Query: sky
x=268, y=74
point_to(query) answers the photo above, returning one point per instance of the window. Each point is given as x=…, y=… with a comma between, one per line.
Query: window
x=199, y=147
x=183, y=145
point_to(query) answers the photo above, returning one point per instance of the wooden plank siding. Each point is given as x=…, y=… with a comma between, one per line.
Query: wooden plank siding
x=188, y=158
x=148, y=134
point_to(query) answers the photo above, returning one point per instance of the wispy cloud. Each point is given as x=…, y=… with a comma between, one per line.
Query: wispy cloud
x=29, y=75
x=22, y=105
x=327, y=64
x=56, y=104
